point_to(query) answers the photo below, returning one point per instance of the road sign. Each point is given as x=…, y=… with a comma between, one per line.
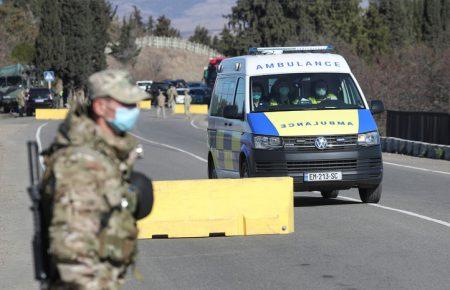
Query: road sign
x=49, y=76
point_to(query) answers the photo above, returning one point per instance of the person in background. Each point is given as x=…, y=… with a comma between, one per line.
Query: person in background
x=21, y=97
x=321, y=93
x=187, y=103
x=172, y=94
x=161, y=110
x=257, y=92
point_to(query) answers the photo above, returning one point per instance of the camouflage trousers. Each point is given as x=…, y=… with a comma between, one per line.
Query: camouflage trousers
x=89, y=276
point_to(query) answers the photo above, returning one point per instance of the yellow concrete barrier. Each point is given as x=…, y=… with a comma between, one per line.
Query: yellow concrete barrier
x=60, y=114
x=51, y=114
x=145, y=105
x=230, y=207
x=195, y=109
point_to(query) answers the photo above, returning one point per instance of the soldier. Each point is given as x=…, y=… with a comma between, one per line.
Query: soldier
x=172, y=94
x=187, y=103
x=21, y=98
x=161, y=105
x=92, y=229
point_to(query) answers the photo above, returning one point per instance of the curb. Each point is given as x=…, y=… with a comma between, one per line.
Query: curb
x=415, y=148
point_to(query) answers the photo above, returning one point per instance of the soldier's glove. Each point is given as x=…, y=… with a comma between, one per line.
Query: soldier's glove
x=144, y=190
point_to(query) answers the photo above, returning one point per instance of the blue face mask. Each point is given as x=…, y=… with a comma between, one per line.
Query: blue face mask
x=125, y=119
x=256, y=96
x=321, y=92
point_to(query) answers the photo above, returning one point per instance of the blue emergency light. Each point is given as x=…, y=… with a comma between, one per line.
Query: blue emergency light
x=289, y=49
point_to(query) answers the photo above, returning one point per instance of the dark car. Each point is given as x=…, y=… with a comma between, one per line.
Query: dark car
x=200, y=95
x=153, y=90
x=177, y=83
x=196, y=85
x=39, y=98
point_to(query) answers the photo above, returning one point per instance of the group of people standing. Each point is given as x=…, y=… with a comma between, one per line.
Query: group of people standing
x=171, y=95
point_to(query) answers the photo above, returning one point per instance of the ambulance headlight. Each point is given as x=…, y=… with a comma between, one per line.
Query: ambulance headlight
x=267, y=142
x=369, y=139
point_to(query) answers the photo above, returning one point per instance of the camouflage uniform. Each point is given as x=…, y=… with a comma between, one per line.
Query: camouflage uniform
x=21, y=101
x=172, y=94
x=92, y=231
x=187, y=103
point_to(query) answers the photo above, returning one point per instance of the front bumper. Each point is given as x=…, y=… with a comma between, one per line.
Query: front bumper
x=361, y=167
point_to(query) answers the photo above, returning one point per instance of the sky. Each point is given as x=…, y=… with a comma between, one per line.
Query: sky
x=185, y=14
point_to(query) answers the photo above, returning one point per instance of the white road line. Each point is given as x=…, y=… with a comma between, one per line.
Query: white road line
x=417, y=168
x=170, y=147
x=39, y=143
x=195, y=126
x=410, y=213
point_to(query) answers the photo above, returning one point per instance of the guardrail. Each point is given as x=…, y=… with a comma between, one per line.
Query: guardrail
x=415, y=148
x=419, y=126
x=178, y=43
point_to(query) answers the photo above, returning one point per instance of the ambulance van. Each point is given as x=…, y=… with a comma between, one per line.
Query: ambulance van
x=299, y=112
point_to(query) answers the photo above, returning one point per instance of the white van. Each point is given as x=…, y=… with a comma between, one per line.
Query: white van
x=295, y=111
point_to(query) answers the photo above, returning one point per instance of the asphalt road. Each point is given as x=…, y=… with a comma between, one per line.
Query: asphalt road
x=404, y=243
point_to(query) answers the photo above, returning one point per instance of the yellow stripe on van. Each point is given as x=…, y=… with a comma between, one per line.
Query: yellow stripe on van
x=313, y=123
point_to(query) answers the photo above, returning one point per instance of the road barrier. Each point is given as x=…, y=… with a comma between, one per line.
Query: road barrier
x=51, y=114
x=220, y=207
x=60, y=114
x=415, y=148
x=195, y=109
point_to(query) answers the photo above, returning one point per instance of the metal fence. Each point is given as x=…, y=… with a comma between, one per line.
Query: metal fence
x=179, y=43
x=419, y=126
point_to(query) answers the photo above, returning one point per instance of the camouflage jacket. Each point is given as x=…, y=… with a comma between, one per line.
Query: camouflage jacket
x=87, y=180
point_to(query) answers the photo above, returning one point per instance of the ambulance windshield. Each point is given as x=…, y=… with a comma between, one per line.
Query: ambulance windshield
x=311, y=91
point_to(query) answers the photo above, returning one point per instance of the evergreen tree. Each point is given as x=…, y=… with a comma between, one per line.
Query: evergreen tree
x=79, y=42
x=50, y=43
x=102, y=16
x=215, y=42
x=126, y=50
x=163, y=28
x=259, y=23
x=297, y=11
x=394, y=13
x=433, y=23
x=201, y=35
x=227, y=43
x=150, y=25
x=377, y=31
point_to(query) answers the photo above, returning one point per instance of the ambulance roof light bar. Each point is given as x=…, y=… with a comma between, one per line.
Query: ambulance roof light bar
x=289, y=49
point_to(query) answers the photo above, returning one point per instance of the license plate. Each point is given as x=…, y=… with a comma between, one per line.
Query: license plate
x=322, y=176
x=39, y=101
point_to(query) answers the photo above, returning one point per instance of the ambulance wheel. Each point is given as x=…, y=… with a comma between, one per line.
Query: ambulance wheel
x=244, y=171
x=330, y=193
x=370, y=195
x=212, y=173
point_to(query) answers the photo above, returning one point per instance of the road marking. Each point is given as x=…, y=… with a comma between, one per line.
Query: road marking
x=410, y=213
x=195, y=126
x=417, y=168
x=170, y=147
x=39, y=143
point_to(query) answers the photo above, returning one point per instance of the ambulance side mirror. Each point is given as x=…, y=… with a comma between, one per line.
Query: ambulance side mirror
x=376, y=107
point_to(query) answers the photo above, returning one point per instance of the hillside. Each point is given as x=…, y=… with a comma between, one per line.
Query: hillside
x=164, y=63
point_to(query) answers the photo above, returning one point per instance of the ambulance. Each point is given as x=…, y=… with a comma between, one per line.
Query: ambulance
x=299, y=112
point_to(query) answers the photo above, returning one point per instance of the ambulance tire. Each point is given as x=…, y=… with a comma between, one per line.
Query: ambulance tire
x=370, y=195
x=330, y=193
x=244, y=169
x=212, y=173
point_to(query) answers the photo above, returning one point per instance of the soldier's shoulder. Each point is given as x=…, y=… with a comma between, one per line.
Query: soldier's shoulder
x=81, y=158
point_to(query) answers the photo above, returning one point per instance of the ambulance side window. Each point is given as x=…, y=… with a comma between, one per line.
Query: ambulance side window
x=216, y=98
x=239, y=100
